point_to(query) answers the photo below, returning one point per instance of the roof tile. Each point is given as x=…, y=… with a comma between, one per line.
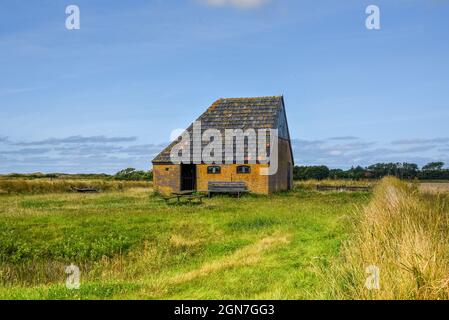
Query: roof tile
x=233, y=113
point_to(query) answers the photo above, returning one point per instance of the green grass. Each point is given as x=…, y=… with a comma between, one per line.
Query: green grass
x=131, y=244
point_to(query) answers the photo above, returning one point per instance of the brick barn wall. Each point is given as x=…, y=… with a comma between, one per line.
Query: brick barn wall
x=279, y=181
x=255, y=182
x=166, y=178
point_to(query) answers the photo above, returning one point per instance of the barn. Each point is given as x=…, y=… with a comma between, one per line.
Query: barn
x=223, y=115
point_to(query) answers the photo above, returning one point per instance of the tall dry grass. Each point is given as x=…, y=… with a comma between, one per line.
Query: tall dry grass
x=43, y=186
x=405, y=234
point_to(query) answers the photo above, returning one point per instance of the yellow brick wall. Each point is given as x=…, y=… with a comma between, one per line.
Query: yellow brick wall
x=168, y=181
x=166, y=178
x=255, y=182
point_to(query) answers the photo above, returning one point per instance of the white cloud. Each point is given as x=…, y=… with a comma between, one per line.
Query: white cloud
x=344, y=153
x=76, y=154
x=77, y=140
x=111, y=154
x=236, y=3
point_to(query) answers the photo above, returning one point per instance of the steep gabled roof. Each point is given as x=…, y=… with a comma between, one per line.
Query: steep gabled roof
x=235, y=113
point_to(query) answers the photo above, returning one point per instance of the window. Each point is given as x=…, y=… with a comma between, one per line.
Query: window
x=243, y=169
x=213, y=170
x=167, y=169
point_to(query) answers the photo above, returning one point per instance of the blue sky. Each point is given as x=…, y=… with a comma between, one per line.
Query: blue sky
x=108, y=96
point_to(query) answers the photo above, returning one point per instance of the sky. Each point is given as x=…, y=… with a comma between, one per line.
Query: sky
x=109, y=95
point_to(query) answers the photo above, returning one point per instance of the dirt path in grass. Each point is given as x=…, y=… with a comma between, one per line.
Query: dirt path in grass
x=248, y=255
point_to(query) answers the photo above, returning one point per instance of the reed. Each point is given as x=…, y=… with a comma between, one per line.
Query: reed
x=405, y=234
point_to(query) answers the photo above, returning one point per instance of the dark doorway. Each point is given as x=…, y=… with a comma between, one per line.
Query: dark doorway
x=188, y=177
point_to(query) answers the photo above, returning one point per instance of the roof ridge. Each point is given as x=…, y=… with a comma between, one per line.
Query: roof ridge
x=213, y=105
x=253, y=98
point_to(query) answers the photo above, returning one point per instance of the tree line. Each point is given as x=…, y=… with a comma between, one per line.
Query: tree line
x=431, y=171
x=128, y=174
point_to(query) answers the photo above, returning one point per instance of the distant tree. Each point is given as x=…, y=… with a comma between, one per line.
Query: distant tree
x=310, y=172
x=409, y=170
x=51, y=175
x=125, y=172
x=133, y=175
x=319, y=172
x=356, y=173
x=405, y=170
x=434, y=171
x=297, y=173
x=401, y=170
x=337, y=174
x=378, y=170
x=433, y=166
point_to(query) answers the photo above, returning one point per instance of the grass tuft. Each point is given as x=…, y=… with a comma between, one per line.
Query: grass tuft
x=405, y=234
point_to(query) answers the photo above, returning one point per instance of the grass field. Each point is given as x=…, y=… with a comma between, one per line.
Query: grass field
x=303, y=244
x=131, y=244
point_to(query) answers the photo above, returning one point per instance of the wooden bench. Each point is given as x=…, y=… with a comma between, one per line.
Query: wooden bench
x=226, y=187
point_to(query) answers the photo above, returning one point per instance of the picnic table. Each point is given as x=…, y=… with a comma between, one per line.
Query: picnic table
x=189, y=195
x=85, y=190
